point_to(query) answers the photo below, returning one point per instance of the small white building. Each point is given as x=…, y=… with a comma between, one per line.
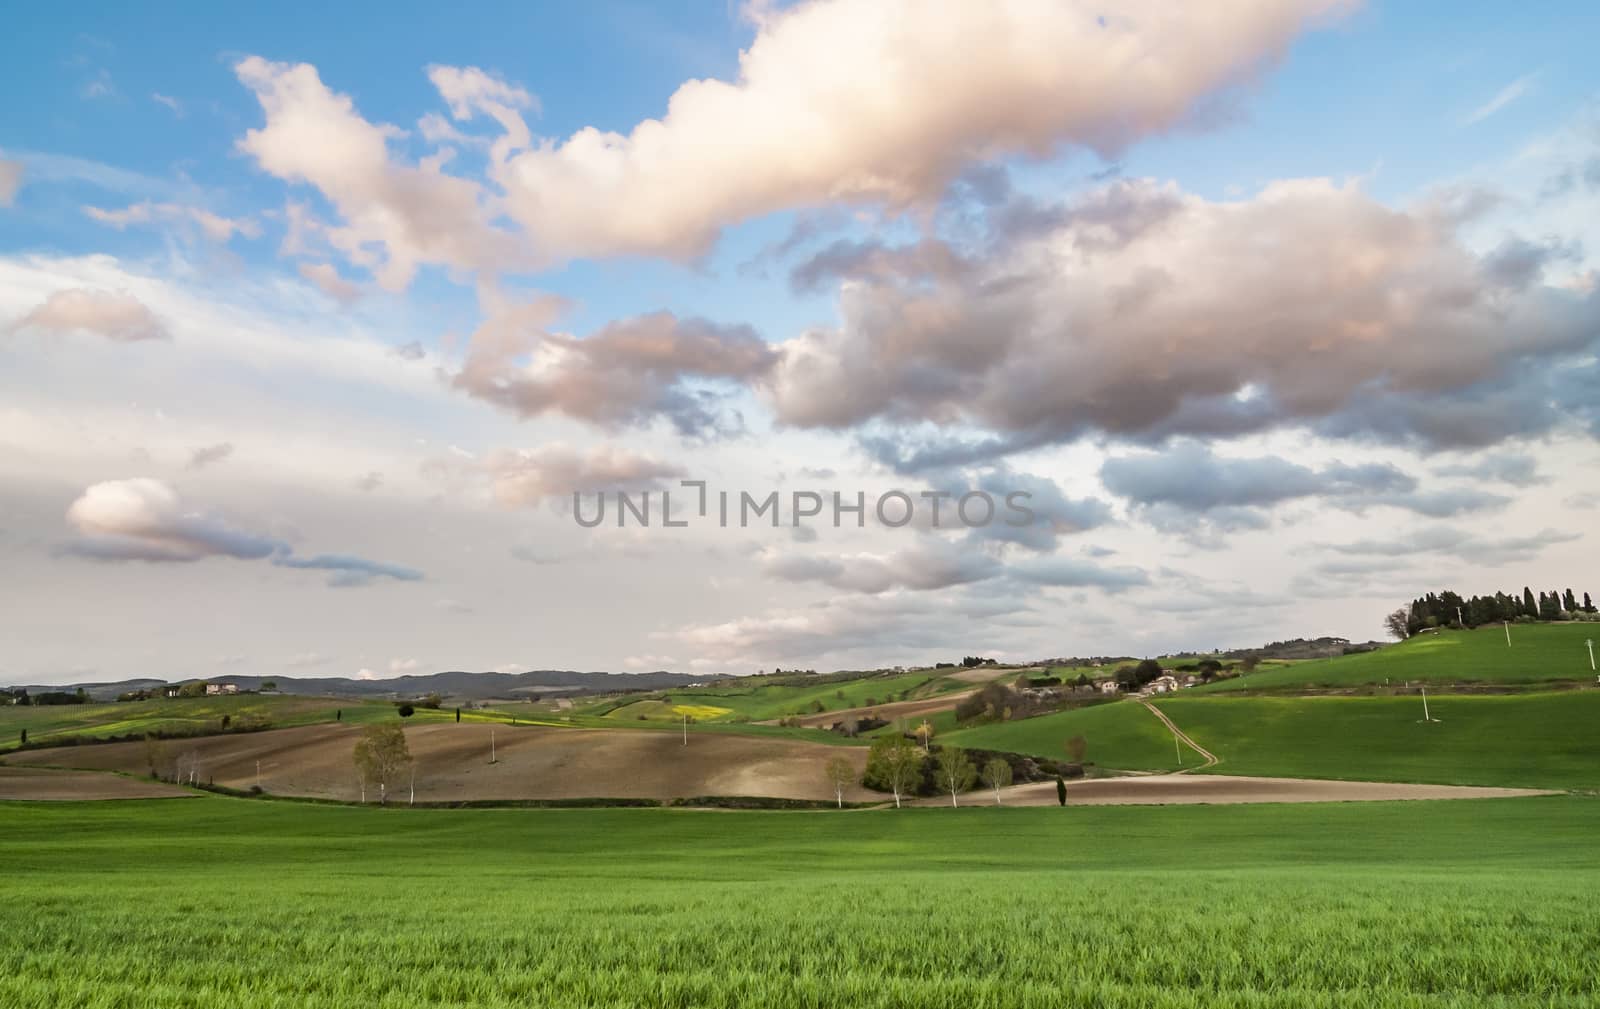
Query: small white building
x=1109, y=686
x=213, y=689
x=1164, y=684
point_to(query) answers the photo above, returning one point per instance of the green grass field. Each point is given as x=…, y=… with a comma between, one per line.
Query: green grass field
x=178, y=715
x=761, y=702
x=1122, y=734
x=210, y=902
x=1538, y=652
x=1548, y=740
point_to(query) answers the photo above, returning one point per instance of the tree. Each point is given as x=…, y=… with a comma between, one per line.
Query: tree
x=406, y=711
x=1569, y=602
x=997, y=775
x=381, y=754
x=1395, y=623
x=155, y=754
x=894, y=764
x=458, y=714
x=1588, y=605
x=24, y=737
x=1076, y=747
x=1083, y=681
x=956, y=773
x=1061, y=790
x=269, y=684
x=841, y=775
x=1528, y=605
x=338, y=715
x=1146, y=671
x=1247, y=664
x=925, y=733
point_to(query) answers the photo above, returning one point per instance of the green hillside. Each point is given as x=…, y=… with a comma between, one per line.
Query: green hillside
x=1545, y=740
x=775, y=700
x=1538, y=652
x=1121, y=735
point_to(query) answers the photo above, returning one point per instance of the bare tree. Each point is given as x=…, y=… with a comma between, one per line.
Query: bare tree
x=841, y=775
x=1076, y=748
x=1395, y=623
x=894, y=763
x=956, y=773
x=155, y=754
x=997, y=775
x=381, y=754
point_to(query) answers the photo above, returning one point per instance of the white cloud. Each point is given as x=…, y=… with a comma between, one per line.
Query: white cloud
x=416, y=215
x=214, y=226
x=883, y=102
x=1505, y=96
x=113, y=315
x=326, y=277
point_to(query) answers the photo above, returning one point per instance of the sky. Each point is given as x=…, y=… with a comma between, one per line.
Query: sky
x=323, y=329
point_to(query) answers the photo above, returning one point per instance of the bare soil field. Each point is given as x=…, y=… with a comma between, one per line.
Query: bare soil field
x=46, y=785
x=984, y=674
x=1186, y=789
x=452, y=763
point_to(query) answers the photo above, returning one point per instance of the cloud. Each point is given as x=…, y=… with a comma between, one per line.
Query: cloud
x=326, y=277
x=898, y=624
x=113, y=315
x=1512, y=468
x=206, y=455
x=1189, y=491
x=144, y=519
x=395, y=217
x=173, y=105
x=928, y=566
x=525, y=478
x=214, y=226
x=626, y=374
x=10, y=181
x=884, y=102
x=347, y=571
x=1471, y=548
x=368, y=482
x=1505, y=96
x=1152, y=313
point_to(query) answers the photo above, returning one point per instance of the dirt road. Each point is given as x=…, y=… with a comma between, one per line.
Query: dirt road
x=1183, y=737
x=1187, y=789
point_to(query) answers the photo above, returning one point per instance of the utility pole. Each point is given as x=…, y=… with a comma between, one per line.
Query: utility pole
x=1459, y=618
x=685, y=728
x=492, y=759
x=1590, y=643
x=258, y=771
x=1507, y=625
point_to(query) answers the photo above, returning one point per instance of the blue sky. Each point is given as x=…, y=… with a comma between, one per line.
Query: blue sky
x=357, y=408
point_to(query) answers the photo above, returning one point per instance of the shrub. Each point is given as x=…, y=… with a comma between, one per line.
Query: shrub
x=406, y=711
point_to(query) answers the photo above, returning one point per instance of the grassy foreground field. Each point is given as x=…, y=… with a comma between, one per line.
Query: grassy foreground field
x=1549, y=740
x=1538, y=652
x=213, y=902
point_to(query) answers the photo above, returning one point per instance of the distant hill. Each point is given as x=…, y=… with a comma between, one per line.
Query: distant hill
x=1306, y=648
x=472, y=686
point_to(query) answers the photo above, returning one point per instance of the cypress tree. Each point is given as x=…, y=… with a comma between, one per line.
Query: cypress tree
x=1528, y=606
x=1569, y=602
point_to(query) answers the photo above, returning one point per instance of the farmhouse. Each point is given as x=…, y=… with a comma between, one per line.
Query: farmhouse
x=1109, y=686
x=1164, y=684
x=213, y=689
